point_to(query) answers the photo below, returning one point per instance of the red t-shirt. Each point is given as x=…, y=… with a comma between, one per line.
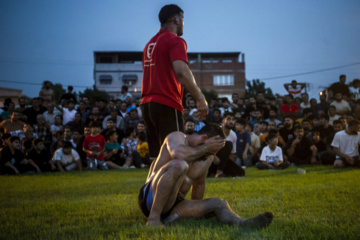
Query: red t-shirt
x=159, y=80
x=286, y=109
x=95, y=144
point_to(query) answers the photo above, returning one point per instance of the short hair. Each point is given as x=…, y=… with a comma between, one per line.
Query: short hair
x=212, y=130
x=306, y=111
x=67, y=144
x=297, y=127
x=141, y=136
x=291, y=96
x=228, y=114
x=37, y=140
x=241, y=121
x=70, y=88
x=270, y=136
x=70, y=101
x=95, y=124
x=110, y=120
x=190, y=119
x=250, y=126
x=342, y=75
x=14, y=138
x=169, y=11
x=124, y=87
x=265, y=122
x=336, y=122
x=325, y=116
x=109, y=133
x=128, y=131
x=353, y=123
x=141, y=121
x=332, y=106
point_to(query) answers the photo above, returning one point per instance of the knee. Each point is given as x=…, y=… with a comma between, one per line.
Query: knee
x=338, y=164
x=220, y=203
x=179, y=167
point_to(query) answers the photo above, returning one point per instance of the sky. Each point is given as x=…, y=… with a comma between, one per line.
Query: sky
x=311, y=41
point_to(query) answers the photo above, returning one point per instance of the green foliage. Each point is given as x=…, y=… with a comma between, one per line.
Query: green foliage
x=209, y=94
x=94, y=95
x=58, y=91
x=256, y=86
x=321, y=204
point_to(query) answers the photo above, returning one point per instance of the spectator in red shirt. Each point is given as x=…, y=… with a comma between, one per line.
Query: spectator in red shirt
x=289, y=109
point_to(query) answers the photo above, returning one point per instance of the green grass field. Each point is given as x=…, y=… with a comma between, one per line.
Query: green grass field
x=321, y=204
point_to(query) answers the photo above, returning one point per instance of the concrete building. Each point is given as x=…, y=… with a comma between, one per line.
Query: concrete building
x=223, y=72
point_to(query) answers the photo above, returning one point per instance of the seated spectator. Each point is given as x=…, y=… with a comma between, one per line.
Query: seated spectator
x=326, y=131
x=9, y=107
x=76, y=123
x=119, y=121
x=273, y=116
x=41, y=157
x=272, y=128
x=84, y=110
x=141, y=126
x=122, y=111
x=114, y=155
x=341, y=105
x=323, y=154
x=68, y=96
x=50, y=114
x=257, y=116
x=42, y=130
x=344, y=122
x=132, y=120
x=287, y=132
x=301, y=149
x=332, y=115
x=255, y=143
x=305, y=101
x=129, y=144
x=94, y=146
x=76, y=135
x=103, y=109
x=189, y=126
x=27, y=134
x=290, y=109
x=56, y=127
x=68, y=136
x=307, y=126
x=12, y=160
x=355, y=89
x=141, y=156
x=58, y=143
x=243, y=141
x=237, y=114
x=67, y=159
x=346, y=144
x=79, y=145
x=110, y=126
x=13, y=125
x=216, y=118
x=33, y=111
x=94, y=116
x=306, y=114
x=271, y=155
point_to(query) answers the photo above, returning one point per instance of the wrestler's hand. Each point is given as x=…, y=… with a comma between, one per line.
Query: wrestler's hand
x=214, y=144
x=202, y=109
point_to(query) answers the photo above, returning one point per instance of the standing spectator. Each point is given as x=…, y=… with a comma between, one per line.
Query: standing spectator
x=346, y=144
x=67, y=159
x=355, y=89
x=68, y=113
x=165, y=78
x=301, y=149
x=294, y=88
x=341, y=105
x=125, y=93
x=271, y=155
x=94, y=146
x=340, y=87
x=69, y=96
x=47, y=93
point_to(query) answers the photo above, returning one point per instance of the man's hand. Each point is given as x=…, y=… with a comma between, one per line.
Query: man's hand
x=202, y=109
x=244, y=156
x=214, y=144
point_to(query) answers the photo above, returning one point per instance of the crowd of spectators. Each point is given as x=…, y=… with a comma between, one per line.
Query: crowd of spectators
x=261, y=131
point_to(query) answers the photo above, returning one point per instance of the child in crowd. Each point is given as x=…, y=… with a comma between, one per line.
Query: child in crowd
x=243, y=154
x=113, y=154
x=142, y=150
x=272, y=156
x=129, y=144
x=94, y=146
x=67, y=158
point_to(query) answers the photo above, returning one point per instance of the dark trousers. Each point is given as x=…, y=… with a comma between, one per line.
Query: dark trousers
x=228, y=167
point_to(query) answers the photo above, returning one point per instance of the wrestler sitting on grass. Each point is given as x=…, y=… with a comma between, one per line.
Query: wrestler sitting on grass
x=183, y=163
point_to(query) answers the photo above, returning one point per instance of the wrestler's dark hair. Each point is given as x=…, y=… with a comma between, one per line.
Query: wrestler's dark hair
x=212, y=130
x=169, y=11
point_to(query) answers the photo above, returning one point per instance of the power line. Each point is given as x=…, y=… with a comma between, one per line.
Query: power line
x=305, y=73
x=38, y=84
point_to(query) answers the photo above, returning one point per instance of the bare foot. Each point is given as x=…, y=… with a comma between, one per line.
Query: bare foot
x=260, y=221
x=154, y=223
x=172, y=218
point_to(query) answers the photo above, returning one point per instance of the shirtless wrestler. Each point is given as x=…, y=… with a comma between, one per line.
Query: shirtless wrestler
x=182, y=164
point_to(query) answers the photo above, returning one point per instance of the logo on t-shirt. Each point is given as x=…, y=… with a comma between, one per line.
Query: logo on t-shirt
x=150, y=49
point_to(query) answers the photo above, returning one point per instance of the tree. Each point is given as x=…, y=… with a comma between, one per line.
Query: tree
x=256, y=86
x=94, y=95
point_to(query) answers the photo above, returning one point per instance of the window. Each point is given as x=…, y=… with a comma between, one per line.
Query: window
x=129, y=79
x=223, y=80
x=105, y=79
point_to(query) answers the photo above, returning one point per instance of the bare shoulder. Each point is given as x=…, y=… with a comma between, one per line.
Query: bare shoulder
x=175, y=136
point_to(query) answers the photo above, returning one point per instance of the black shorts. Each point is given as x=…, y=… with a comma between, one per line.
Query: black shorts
x=143, y=196
x=160, y=120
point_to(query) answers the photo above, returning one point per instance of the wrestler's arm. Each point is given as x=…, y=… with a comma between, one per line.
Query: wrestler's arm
x=179, y=150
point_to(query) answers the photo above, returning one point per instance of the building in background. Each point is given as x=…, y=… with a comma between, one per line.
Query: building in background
x=14, y=94
x=222, y=71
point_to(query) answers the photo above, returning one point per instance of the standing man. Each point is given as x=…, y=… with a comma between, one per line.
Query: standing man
x=165, y=75
x=294, y=88
x=47, y=93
